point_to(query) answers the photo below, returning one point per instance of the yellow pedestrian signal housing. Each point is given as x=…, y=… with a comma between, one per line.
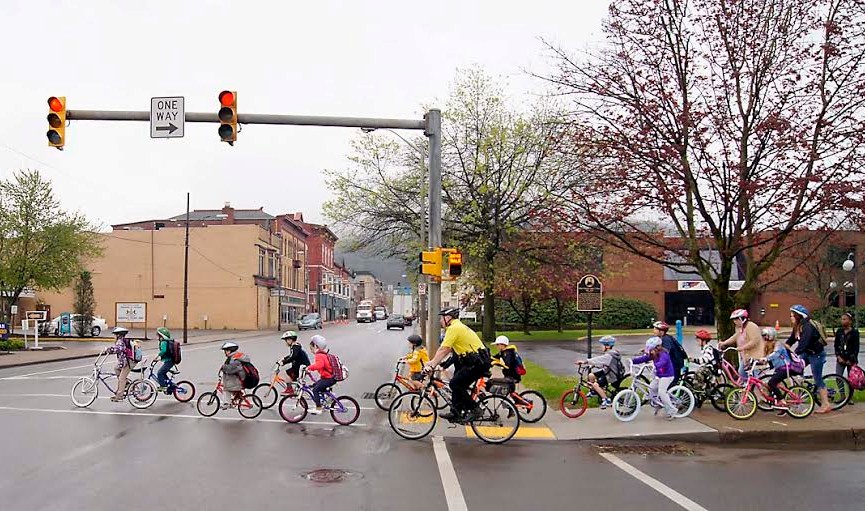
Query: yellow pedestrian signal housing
x=56, y=122
x=228, y=116
x=431, y=263
x=455, y=264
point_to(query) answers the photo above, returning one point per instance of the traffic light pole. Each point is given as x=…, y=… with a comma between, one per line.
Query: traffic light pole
x=434, y=133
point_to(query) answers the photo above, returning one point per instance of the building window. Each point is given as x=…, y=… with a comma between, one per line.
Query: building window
x=261, y=256
x=271, y=264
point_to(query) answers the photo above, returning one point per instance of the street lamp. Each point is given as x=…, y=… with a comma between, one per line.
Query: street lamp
x=850, y=265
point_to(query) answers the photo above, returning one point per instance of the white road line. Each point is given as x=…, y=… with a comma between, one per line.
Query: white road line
x=109, y=397
x=20, y=376
x=450, y=483
x=779, y=423
x=653, y=483
x=41, y=378
x=168, y=415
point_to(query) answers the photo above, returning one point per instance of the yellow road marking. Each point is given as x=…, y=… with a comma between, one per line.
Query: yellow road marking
x=524, y=432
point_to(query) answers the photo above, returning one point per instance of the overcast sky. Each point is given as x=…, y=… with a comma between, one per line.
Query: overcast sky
x=375, y=59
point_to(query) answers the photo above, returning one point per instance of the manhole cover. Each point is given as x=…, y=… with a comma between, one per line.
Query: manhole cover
x=331, y=475
x=645, y=450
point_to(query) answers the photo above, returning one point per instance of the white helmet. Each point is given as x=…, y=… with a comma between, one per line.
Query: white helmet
x=319, y=342
x=653, y=343
x=503, y=340
x=120, y=331
x=230, y=346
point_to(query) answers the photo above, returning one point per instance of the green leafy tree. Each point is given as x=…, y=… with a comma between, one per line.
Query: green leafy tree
x=84, y=304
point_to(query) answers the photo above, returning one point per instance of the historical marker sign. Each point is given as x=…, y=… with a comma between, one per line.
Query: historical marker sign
x=590, y=294
x=131, y=312
x=167, y=117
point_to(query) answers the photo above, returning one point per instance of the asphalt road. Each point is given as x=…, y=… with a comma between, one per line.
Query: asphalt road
x=57, y=457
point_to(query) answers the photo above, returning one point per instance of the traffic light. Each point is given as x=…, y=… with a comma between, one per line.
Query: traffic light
x=228, y=116
x=56, y=122
x=431, y=263
x=455, y=264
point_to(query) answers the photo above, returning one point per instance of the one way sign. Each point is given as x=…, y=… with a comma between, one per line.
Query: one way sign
x=167, y=117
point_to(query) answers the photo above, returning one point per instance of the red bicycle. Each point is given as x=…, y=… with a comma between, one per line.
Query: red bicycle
x=248, y=405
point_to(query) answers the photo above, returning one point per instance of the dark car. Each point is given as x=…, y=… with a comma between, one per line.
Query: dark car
x=395, y=321
x=310, y=321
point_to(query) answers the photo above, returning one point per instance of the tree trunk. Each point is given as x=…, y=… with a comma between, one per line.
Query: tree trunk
x=560, y=311
x=489, y=330
x=724, y=305
x=527, y=313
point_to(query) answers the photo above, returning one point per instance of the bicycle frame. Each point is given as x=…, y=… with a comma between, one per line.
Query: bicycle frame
x=238, y=398
x=402, y=380
x=328, y=397
x=99, y=376
x=763, y=388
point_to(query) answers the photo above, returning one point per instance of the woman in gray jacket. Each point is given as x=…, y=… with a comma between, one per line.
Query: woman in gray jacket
x=232, y=373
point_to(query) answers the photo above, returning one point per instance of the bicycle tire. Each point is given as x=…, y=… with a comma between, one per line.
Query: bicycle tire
x=89, y=390
x=412, y=410
x=293, y=409
x=718, y=396
x=839, y=390
x=385, y=394
x=683, y=399
x=249, y=406
x=267, y=394
x=626, y=405
x=207, y=404
x=800, y=402
x=184, y=391
x=141, y=394
x=573, y=403
x=352, y=411
x=539, y=406
x=498, y=415
x=741, y=404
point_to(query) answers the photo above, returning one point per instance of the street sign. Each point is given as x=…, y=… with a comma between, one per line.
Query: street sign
x=37, y=315
x=167, y=117
x=589, y=294
x=131, y=312
x=421, y=288
x=13, y=310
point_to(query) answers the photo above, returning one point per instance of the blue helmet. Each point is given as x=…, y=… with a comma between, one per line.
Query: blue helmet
x=800, y=310
x=608, y=340
x=653, y=343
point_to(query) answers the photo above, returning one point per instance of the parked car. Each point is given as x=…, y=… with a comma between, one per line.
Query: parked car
x=395, y=321
x=408, y=318
x=97, y=326
x=310, y=321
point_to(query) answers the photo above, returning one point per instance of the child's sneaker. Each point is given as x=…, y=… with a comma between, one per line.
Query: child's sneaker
x=670, y=417
x=225, y=406
x=605, y=404
x=315, y=410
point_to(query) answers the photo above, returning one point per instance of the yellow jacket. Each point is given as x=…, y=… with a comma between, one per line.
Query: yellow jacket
x=416, y=359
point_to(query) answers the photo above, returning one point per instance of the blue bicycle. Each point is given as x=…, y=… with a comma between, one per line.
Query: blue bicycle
x=182, y=390
x=140, y=393
x=293, y=408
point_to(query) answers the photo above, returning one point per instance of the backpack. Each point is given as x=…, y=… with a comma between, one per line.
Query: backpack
x=174, y=351
x=677, y=354
x=339, y=371
x=521, y=369
x=134, y=353
x=821, y=330
x=617, y=366
x=857, y=377
x=797, y=365
x=250, y=375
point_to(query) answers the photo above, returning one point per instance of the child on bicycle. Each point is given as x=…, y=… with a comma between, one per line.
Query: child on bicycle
x=167, y=360
x=664, y=373
x=123, y=349
x=708, y=360
x=416, y=359
x=232, y=373
x=609, y=369
x=296, y=358
x=318, y=345
x=785, y=364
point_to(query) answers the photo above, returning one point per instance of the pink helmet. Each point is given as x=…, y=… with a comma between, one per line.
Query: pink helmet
x=739, y=313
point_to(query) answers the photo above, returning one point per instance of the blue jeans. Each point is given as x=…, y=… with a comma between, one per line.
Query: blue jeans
x=318, y=387
x=816, y=362
x=162, y=373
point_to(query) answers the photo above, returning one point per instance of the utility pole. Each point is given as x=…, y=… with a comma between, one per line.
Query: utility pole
x=186, y=277
x=434, y=132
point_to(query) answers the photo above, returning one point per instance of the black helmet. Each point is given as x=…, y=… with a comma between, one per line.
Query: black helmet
x=453, y=312
x=415, y=340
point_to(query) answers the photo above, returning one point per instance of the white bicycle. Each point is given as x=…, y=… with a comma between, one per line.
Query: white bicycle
x=140, y=393
x=627, y=403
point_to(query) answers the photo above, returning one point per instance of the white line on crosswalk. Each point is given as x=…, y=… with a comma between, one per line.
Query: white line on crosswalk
x=653, y=483
x=450, y=483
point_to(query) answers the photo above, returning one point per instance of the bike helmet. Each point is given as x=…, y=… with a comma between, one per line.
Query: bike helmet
x=660, y=325
x=503, y=340
x=453, y=312
x=800, y=310
x=653, y=343
x=163, y=333
x=120, y=331
x=739, y=314
x=607, y=340
x=230, y=346
x=289, y=334
x=319, y=342
x=769, y=332
x=703, y=335
x=415, y=340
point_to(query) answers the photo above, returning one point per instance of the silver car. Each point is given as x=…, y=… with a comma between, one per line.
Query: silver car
x=310, y=321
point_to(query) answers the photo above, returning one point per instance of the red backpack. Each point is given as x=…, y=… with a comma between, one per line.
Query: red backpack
x=339, y=371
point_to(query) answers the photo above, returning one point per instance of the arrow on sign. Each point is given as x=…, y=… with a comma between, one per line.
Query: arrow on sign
x=171, y=128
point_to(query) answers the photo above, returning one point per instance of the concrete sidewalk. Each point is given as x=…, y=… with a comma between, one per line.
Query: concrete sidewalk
x=71, y=350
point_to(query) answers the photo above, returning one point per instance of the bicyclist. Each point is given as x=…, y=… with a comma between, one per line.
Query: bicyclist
x=472, y=362
x=785, y=364
x=810, y=348
x=507, y=354
x=708, y=360
x=609, y=365
x=678, y=355
x=232, y=373
x=748, y=341
x=318, y=345
x=296, y=358
x=663, y=373
x=123, y=349
x=167, y=360
x=416, y=359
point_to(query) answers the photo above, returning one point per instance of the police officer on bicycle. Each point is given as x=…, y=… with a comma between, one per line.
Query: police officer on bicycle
x=471, y=361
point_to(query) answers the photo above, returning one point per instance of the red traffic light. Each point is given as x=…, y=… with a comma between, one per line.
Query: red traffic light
x=226, y=98
x=55, y=104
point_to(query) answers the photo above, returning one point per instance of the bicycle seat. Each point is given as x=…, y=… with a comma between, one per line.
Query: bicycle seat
x=136, y=369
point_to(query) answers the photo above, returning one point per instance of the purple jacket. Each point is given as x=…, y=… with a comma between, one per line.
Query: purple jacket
x=663, y=364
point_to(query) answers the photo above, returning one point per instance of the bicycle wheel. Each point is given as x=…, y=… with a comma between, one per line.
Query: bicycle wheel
x=764, y=403
x=250, y=406
x=535, y=410
x=573, y=403
x=412, y=416
x=293, y=409
x=839, y=389
x=141, y=394
x=741, y=403
x=266, y=394
x=184, y=391
x=626, y=405
x=345, y=410
x=385, y=394
x=625, y=384
x=499, y=420
x=718, y=396
x=683, y=399
x=800, y=402
x=208, y=404
x=84, y=392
